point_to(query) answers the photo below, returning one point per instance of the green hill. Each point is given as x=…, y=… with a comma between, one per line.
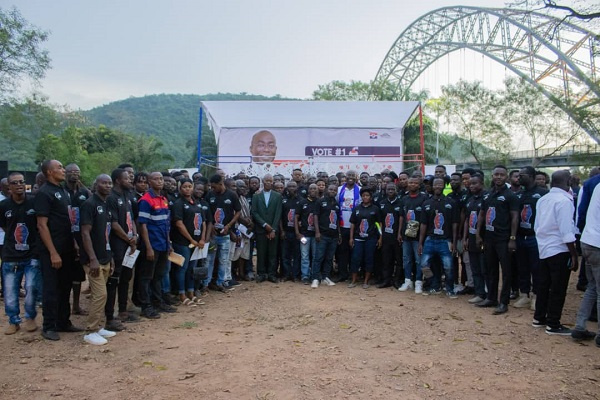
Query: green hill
x=172, y=118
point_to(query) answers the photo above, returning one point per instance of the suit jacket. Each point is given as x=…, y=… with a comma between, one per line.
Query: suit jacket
x=261, y=213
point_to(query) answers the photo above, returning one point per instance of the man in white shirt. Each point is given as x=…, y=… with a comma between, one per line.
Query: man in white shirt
x=590, y=246
x=555, y=233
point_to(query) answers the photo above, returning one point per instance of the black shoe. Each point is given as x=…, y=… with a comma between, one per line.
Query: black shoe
x=538, y=324
x=514, y=295
x=466, y=290
x=306, y=281
x=261, y=278
x=487, y=304
x=163, y=307
x=383, y=285
x=150, y=313
x=70, y=328
x=273, y=279
x=501, y=309
x=114, y=325
x=559, y=330
x=582, y=335
x=50, y=335
x=598, y=340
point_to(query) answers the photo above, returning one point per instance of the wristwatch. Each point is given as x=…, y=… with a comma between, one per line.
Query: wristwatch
x=513, y=238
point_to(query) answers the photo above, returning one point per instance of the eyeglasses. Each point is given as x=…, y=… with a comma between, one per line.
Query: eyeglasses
x=21, y=182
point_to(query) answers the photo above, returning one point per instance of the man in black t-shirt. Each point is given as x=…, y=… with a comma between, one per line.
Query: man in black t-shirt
x=305, y=231
x=471, y=211
x=391, y=250
x=528, y=256
x=327, y=236
x=438, y=235
x=96, y=257
x=123, y=236
x=19, y=254
x=290, y=245
x=57, y=255
x=498, y=218
x=225, y=210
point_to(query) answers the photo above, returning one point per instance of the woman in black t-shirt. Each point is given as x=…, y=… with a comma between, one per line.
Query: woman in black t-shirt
x=365, y=236
x=188, y=229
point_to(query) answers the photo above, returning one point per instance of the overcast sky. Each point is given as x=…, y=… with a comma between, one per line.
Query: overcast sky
x=109, y=50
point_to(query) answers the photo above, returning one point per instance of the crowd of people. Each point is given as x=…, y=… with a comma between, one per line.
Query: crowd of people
x=149, y=243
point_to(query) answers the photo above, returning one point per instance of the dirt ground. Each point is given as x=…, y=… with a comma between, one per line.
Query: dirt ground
x=288, y=341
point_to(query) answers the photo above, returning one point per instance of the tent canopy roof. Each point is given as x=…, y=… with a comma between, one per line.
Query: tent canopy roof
x=308, y=114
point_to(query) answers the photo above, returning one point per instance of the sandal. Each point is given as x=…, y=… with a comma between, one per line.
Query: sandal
x=198, y=301
x=189, y=302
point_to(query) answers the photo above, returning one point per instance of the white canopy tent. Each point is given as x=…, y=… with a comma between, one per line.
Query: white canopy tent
x=336, y=135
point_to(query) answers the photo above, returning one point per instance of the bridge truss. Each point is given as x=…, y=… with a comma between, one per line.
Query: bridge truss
x=558, y=57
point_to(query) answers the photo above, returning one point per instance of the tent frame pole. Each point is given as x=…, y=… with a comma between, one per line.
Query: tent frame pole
x=199, y=156
x=422, y=138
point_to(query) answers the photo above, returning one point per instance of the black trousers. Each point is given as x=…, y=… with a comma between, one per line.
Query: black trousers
x=57, y=284
x=496, y=256
x=150, y=278
x=391, y=253
x=266, y=255
x=117, y=284
x=343, y=254
x=554, y=279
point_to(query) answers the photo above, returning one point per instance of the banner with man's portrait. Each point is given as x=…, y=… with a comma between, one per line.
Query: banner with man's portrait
x=280, y=150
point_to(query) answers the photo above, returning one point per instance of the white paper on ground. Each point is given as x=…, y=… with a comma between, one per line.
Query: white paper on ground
x=129, y=259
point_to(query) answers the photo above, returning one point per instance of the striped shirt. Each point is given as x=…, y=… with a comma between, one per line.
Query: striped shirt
x=154, y=213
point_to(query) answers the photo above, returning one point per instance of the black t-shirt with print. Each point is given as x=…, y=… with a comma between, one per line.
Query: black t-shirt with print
x=497, y=206
x=95, y=212
x=306, y=211
x=192, y=215
x=289, y=206
x=78, y=197
x=527, y=208
x=328, y=210
x=472, y=208
x=391, y=210
x=364, y=220
x=54, y=202
x=20, y=230
x=120, y=206
x=222, y=207
x=439, y=213
x=412, y=207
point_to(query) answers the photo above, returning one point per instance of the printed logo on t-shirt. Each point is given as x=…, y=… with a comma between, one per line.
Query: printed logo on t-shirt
x=219, y=218
x=129, y=222
x=389, y=223
x=333, y=219
x=410, y=215
x=21, y=235
x=311, y=222
x=74, y=217
x=526, y=214
x=363, y=228
x=197, y=224
x=291, y=215
x=490, y=216
x=473, y=222
x=438, y=224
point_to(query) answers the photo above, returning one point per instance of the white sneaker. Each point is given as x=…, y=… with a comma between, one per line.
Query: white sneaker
x=418, y=287
x=95, y=339
x=406, y=285
x=315, y=284
x=328, y=282
x=105, y=333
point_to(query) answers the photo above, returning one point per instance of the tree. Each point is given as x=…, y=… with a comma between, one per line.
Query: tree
x=363, y=91
x=526, y=108
x=21, y=52
x=472, y=109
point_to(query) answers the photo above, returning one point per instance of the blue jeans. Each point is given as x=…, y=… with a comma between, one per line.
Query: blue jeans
x=12, y=272
x=185, y=276
x=363, y=253
x=307, y=254
x=411, y=258
x=166, y=280
x=528, y=263
x=592, y=293
x=290, y=249
x=323, y=262
x=441, y=248
x=222, y=247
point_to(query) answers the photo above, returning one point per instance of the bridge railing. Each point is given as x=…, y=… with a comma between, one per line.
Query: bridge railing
x=580, y=149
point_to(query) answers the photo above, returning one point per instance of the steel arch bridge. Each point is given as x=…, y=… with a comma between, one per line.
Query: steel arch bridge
x=558, y=57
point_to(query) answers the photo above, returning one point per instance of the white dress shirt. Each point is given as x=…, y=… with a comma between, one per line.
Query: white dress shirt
x=554, y=226
x=591, y=232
